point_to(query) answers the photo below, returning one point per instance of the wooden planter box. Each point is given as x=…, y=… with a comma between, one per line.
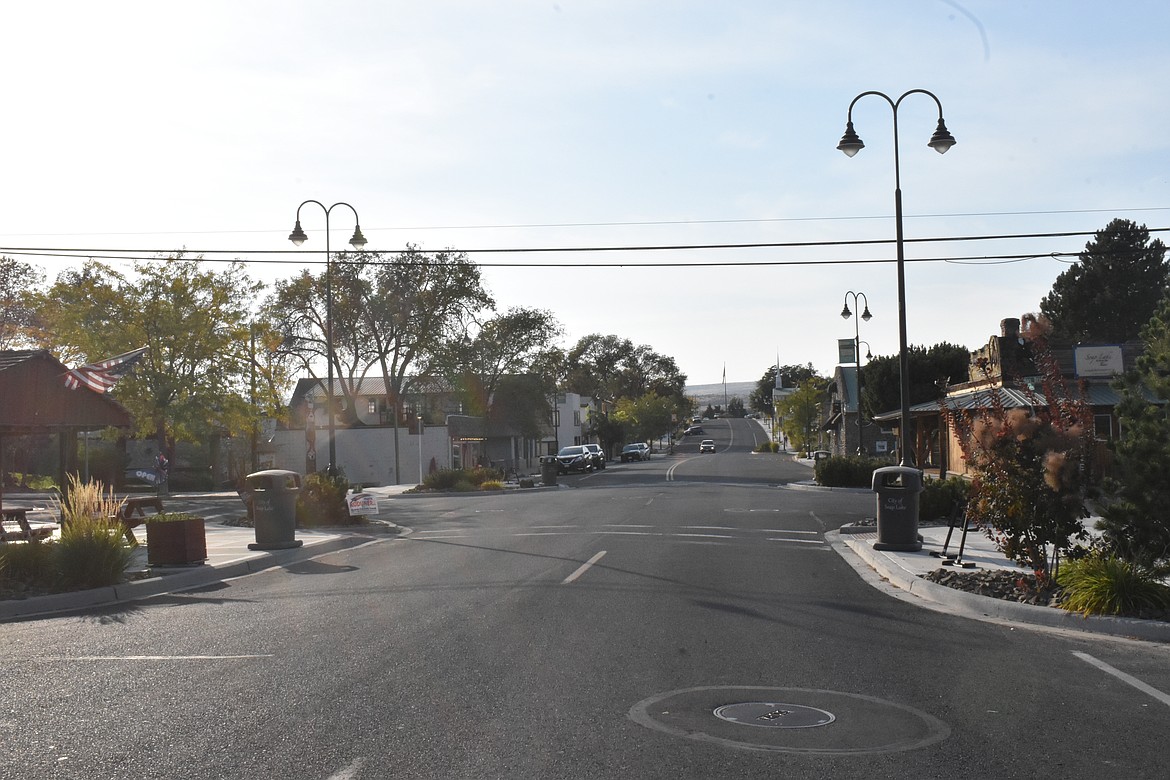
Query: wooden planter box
x=176, y=542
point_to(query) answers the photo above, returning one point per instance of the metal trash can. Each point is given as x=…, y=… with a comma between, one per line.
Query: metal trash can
x=549, y=469
x=898, y=489
x=272, y=495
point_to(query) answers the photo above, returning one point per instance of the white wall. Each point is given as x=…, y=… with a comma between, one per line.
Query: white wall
x=366, y=455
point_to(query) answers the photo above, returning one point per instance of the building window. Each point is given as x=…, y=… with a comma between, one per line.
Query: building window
x=576, y=417
x=1103, y=423
x=373, y=407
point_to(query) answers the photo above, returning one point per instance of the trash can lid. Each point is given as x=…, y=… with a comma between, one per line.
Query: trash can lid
x=897, y=478
x=271, y=479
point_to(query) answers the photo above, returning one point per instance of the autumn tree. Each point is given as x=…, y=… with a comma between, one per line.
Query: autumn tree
x=1111, y=293
x=1028, y=491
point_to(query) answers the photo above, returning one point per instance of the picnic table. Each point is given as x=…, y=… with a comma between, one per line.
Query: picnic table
x=24, y=532
x=132, y=513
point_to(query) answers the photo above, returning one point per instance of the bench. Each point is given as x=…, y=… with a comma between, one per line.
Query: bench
x=132, y=513
x=26, y=532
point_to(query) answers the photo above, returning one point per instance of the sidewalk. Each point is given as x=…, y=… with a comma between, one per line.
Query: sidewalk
x=228, y=556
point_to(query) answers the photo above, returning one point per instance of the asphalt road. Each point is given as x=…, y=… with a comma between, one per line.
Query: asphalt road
x=588, y=632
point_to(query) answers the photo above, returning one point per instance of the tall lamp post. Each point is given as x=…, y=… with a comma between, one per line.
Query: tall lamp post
x=358, y=241
x=865, y=315
x=851, y=144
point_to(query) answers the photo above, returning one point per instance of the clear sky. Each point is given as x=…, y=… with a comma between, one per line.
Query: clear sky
x=601, y=123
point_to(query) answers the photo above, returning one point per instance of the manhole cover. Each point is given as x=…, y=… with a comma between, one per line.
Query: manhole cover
x=774, y=715
x=787, y=720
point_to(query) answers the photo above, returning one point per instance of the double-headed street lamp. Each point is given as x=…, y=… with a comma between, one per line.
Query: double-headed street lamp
x=851, y=144
x=865, y=315
x=358, y=241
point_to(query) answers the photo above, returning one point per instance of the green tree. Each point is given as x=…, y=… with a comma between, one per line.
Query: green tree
x=1113, y=291
x=1136, y=525
x=735, y=407
x=801, y=413
x=508, y=344
x=790, y=376
x=396, y=316
x=647, y=417
x=19, y=283
x=610, y=367
x=930, y=371
x=195, y=377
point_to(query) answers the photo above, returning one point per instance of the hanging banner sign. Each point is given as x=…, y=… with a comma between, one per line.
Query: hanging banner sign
x=846, y=351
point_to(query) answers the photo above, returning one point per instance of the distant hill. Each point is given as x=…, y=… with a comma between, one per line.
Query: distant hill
x=712, y=395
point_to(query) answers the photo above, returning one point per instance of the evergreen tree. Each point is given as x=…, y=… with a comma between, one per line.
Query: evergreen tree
x=1137, y=526
x=1113, y=291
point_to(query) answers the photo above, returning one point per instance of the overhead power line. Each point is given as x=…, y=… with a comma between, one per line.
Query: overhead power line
x=302, y=256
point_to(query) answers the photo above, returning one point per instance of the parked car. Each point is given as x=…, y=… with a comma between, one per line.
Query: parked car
x=635, y=451
x=694, y=430
x=574, y=458
x=597, y=453
x=707, y=445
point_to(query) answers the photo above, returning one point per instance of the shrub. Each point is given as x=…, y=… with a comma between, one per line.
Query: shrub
x=29, y=564
x=91, y=552
x=846, y=471
x=768, y=446
x=443, y=479
x=461, y=480
x=321, y=501
x=491, y=484
x=940, y=495
x=482, y=474
x=1103, y=584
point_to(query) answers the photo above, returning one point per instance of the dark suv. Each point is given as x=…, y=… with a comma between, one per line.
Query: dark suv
x=574, y=458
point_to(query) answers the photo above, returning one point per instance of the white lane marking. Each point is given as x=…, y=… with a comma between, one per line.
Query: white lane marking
x=625, y=525
x=795, y=541
x=1125, y=678
x=631, y=533
x=154, y=657
x=554, y=526
x=710, y=527
x=708, y=536
x=584, y=568
x=349, y=773
x=784, y=531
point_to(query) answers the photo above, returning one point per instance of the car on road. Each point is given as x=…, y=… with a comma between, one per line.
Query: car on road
x=574, y=458
x=635, y=451
x=597, y=453
x=707, y=445
x=694, y=430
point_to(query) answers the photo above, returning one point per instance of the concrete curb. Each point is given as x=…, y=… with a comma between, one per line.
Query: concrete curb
x=473, y=493
x=971, y=605
x=194, y=577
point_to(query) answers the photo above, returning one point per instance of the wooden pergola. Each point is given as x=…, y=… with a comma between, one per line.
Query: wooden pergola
x=34, y=400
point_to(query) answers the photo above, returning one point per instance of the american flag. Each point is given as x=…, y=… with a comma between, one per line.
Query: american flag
x=103, y=375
